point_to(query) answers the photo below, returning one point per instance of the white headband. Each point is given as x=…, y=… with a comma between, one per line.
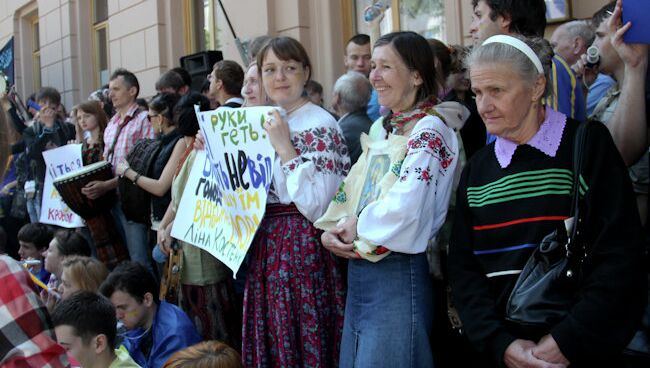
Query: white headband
x=519, y=45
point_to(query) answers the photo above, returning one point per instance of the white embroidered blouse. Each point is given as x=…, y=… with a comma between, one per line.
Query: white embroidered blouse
x=414, y=209
x=311, y=179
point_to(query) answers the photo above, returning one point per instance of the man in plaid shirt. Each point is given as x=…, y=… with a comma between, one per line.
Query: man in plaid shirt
x=127, y=126
x=26, y=335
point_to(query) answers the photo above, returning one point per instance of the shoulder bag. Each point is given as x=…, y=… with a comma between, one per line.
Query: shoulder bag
x=547, y=287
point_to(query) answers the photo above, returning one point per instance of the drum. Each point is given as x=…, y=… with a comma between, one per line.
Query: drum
x=69, y=187
x=97, y=212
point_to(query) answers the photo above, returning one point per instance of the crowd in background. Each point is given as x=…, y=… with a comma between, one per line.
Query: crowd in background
x=478, y=147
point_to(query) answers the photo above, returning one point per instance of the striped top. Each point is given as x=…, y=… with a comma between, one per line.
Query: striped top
x=502, y=214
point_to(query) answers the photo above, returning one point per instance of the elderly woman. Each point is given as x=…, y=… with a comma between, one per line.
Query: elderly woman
x=294, y=297
x=388, y=314
x=517, y=190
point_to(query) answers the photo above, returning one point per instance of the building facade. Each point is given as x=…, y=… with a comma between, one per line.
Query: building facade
x=74, y=45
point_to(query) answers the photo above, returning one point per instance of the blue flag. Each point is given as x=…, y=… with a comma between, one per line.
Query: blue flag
x=7, y=60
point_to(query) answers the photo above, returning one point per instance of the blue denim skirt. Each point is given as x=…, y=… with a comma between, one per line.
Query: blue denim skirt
x=388, y=313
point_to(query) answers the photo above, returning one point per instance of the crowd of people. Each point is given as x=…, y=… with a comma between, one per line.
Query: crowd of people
x=395, y=240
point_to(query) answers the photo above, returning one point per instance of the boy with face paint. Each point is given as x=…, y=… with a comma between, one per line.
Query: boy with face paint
x=155, y=329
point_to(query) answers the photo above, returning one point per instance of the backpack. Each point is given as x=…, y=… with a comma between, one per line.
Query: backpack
x=136, y=202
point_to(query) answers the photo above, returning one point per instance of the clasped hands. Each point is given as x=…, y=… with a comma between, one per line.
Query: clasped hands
x=527, y=354
x=339, y=239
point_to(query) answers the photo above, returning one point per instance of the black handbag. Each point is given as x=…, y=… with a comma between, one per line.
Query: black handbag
x=548, y=285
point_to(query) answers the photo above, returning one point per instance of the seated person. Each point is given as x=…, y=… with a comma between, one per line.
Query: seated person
x=85, y=326
x=34, y=238
x=26, y=334
x=81, y=274
x=206, y=354
x=65, y=243
x=155, y=330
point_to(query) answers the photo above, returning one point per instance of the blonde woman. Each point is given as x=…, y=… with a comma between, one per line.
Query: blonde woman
x=81, y=273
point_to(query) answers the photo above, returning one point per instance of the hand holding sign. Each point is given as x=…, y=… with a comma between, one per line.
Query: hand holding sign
x=225, y=195
x=277, y=129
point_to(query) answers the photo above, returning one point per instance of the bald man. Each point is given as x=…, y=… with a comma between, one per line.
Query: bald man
x=570, y=41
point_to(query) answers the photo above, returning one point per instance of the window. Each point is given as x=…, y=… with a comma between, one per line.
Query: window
x=201, y=31
x=426, y=17
x=36, y=54
x=100, y=41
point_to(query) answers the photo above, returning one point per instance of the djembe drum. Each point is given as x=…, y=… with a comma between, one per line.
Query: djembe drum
x=96, y=212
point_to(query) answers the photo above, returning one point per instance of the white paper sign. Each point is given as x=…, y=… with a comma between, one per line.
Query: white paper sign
x=225, y=197
x=59, y=161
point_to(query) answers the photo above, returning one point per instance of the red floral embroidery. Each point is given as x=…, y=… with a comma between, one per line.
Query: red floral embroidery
x=323, y=146
x=424, y=174
x=329, y=165
x=431, y=141
x=309, y=138
x=381, y=250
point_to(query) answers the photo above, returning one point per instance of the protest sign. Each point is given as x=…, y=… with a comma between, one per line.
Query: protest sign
x=59, y=161
x=225, y=196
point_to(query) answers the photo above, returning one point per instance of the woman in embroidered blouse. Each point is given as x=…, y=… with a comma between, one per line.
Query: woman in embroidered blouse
x=294, y=297
x=516, y=191
x=92, y=120
x=388, y=316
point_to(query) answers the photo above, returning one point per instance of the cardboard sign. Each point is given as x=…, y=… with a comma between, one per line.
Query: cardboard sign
x=59, y=161
x=225, y=196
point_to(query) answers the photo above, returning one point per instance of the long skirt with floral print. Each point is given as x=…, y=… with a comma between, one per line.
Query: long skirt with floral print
x=295, y=296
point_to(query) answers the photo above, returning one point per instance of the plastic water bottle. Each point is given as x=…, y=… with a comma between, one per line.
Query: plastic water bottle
x=374, y=11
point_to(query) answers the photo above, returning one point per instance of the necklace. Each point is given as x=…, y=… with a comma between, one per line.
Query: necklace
x=304, y=102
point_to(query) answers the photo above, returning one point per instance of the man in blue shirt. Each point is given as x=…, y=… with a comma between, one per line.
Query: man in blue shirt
x=155, y=329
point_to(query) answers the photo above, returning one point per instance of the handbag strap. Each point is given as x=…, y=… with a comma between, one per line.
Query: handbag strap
x=575, y=249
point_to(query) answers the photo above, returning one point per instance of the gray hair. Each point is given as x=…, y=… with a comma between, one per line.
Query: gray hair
x=354, y=91
x=582, y=29
x=500, y=53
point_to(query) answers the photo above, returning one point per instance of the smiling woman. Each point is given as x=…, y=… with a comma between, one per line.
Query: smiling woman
x=391, y=205
x=294, y=296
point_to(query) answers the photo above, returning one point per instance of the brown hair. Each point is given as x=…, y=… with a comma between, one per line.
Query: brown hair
x=207, y=354
x=95, y=108
x=285, y=48
x=231, y=74
x=86, y=272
